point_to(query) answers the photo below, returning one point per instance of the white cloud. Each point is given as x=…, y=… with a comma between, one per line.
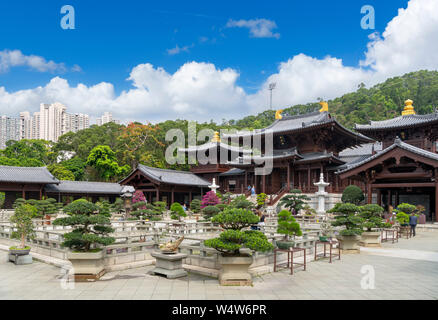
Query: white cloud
x=15, y=58
x=178, y=49
x=201, y=91
x=258, y=28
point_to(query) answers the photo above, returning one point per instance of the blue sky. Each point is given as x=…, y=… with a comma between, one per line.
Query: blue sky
x=113, y=37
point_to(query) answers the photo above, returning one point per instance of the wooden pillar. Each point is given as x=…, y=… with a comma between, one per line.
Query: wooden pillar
x=379, y=197
x=23, y=193
x=246, y=180
x=308, y=178
x=369, y=192
x=190, y=196
x=41, y=193
x=157, y=195
x=288, y=176
x=389, y=198
x=172, y=196
x=264, y=183
x=436, y=200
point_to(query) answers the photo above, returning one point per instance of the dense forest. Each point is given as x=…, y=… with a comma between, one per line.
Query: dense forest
x=108, y=152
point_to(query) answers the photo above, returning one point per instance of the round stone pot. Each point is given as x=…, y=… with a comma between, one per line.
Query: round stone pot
x=370, y=239
x=285, y=245
x=235, y=270
x=19, y=252
x=87, y=265
x=347, y=243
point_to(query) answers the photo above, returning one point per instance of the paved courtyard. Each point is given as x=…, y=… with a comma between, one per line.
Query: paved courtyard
x=404, y=270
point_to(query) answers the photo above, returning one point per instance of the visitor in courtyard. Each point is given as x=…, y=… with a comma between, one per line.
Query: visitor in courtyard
x=413, y=223
x=184, y=207
x=253, y=191
x=262, y=221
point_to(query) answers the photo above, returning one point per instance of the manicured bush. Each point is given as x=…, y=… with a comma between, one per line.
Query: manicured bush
x=241, y=202
x=261, y=200
x=372, y=215
x=22, y=220
x=230, y=241
x=402, y=218
x=178, y=210
x=347, y=216
x=209, y=199
x=295, y=201
x=222, y=206
x=287, y=225
x=352, y=194
x=90, y=228
x=118, y=206
x=406, y=208
x=210, y=211
x=195, y=205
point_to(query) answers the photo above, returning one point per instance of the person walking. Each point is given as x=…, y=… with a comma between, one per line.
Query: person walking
x=413, y=219
x=253, y=191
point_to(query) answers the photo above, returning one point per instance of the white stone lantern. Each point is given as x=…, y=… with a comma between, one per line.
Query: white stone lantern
x=322, y=194
x=213, y=186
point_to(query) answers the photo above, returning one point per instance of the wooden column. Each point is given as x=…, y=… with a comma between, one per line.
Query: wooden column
x=288, y=176
x=379, y=197
x=157, y=195
x=308, y=178
x=264, y=183
x=389, y=198
x=172, y=196
x=436, y=200
x=246, y=180
x=23, y=193
x=369, y=192
x=190, y=196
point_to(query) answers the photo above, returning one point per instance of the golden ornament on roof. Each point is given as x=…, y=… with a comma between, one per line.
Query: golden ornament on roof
x=324, y=106
x=409, y=108
x=278, y=115
x=216, y=137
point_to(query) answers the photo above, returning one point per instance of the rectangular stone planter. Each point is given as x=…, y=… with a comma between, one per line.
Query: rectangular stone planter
x=169, y=265
x=87, y=266
x=235, y=271
x=349, y=244
x=370, y=239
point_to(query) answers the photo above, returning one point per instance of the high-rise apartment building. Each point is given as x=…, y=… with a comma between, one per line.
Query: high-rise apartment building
x=106, y=118
x=9, y=130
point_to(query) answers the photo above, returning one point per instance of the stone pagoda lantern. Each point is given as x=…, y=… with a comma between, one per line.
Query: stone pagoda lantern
x=213, y=186
x=321, y=194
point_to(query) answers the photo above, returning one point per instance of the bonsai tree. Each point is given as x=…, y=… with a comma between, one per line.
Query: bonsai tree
x=226, y=197
x=352, y=194
x=45, y=207
x=142, y=210
x=90, y=228
x=326, y=229
x=372, y=215
x=160, y=207
x=209, y=199
x=241, y=202
x=261, y=200
x=308, y=210
x=230, y=241
x=23, y=225
x=403, y=211
x=177, y=211
x=295, y=201
x=402, y=218
x=118, y=206
x=104, y=207
x=210, y=211
x=195, y=205
x=346, y=215
x=288, y=226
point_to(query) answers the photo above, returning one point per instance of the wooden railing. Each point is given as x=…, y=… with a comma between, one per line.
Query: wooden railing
x=273, y=199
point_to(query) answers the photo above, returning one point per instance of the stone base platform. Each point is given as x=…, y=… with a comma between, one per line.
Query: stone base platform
x=350, y=251
x=169, y=265
x=20, y=259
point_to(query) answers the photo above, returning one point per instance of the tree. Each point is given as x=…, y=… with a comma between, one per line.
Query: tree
x=347, y=216
x=2, y=199
x=195, y=205
x=90, y=228
x=209, y=199
x=118, y=206
x=241, y=202
x=295, y=201
x=352, y=194
x=372, y=215
x=103, y=159
x=77, y=166
x=287, y=225
x=177, y=211
x=60, y=172
x=210, y=211
x=230, y=241
x=22, y=220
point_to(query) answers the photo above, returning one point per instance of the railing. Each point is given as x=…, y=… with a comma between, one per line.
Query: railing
x=277, y=196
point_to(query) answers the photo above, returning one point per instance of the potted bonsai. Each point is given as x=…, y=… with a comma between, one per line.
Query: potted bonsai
x=326, y=231
x=23, y=229
x=235, y=245
x=403, y=211
x=347, y=217
x=372, y=215
x=289, y=228
x=210, y=211
x=295, y=201
x=90, y=231
x=177, y=211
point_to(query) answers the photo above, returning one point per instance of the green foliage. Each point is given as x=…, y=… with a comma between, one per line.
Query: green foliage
x=210, y=211
x=60, y=172
x=44, y=207
x=402, y=218
x=241, y=202
x=295, y=201
x=261, y=200
x=28, y=153
x=77, y=166
x=235, y=218
x=103, y=159
x=222, y=206
x=287, y=225
x=90, y=227
x=22, y=220
x=104, y=208
x=347, y=216
x=352, y=194
x=160, y=206
x=2, y=199
x=230, y=241
x=195, y=205
x=177, y=209
x=118, y=206
x=372, y=215
x=406, y=208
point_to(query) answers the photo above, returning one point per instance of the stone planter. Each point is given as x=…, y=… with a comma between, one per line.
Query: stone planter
x=235, y=270
x=370, y=239
x=349, y=244
x=285, y=245
x=20, y=256
x=87, y=266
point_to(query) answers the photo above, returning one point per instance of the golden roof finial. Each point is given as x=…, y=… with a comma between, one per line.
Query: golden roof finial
x=216, y=137
x=409, y=108
x=324, y=106
x=278, y=115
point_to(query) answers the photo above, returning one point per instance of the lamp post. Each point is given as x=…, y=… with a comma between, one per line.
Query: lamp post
x=272, y=86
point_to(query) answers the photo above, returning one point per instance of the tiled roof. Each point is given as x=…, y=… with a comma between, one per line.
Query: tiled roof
x=232, y=172
x=317, y=156
x=173, y=176
x=38, y=175
x=364, y=149
x=397, y=144
x=276, y=154
x=401, y=121
x=86, y=187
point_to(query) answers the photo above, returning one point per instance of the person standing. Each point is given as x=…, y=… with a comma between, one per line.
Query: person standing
x=253, y=191
x=413, y=219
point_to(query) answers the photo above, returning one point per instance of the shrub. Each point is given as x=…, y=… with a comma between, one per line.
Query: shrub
x=233, y=238
x=222, y=206
x=261, y=200
x=294, y=201
x=287, y=225
x=241, y=202
x=195, y=205
x=352, y=194
x=402, y=218
x=160, y=206
x=90, y=228
x=138, y=197
x=347, y=216
x=406, y=208
x=22, y=220
x=209, y=199
x=372, y=215
x=178, y=210
x=44, y=207
x=210, y=211
x=118, y=206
